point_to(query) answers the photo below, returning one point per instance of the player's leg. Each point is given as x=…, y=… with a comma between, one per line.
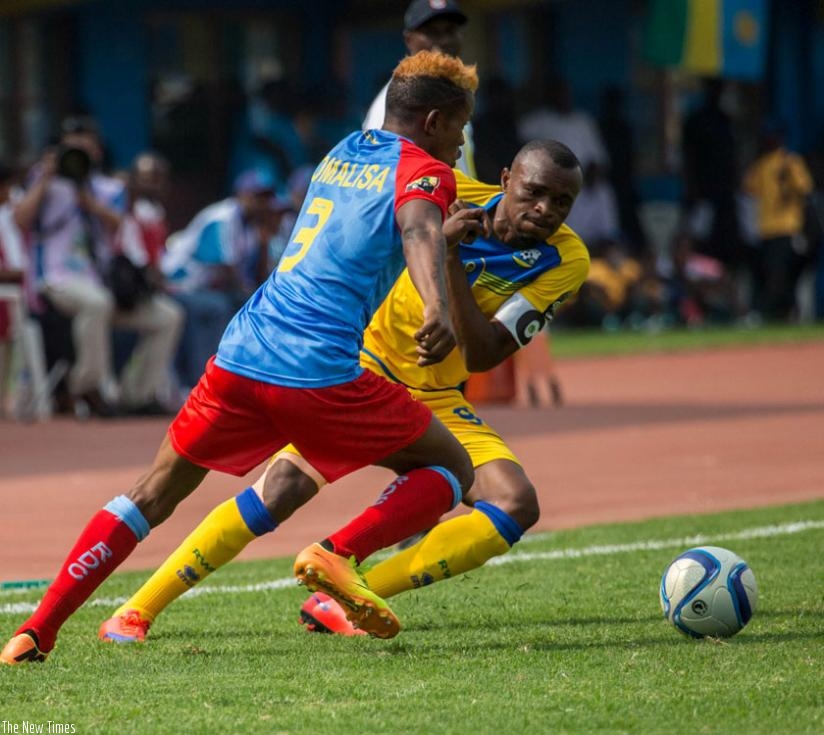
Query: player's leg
x=109, y=538
x=381, y=425
x=504, y=506
x=203, y=435
x=219, y=538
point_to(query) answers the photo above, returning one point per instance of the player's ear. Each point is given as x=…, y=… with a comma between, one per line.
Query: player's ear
x=505, y=176
x=431, y=121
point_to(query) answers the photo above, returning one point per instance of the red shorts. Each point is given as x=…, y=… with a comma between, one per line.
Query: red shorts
x=231, y=423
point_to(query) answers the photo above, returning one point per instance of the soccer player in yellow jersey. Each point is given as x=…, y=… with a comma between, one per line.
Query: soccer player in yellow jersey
x=517, y=263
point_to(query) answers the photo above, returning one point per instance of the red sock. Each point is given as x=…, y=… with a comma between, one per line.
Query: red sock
x=101, y=547
x=412, y=503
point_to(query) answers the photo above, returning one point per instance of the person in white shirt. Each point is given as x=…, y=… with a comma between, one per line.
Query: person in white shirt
x=430, y=25
x=72, y=212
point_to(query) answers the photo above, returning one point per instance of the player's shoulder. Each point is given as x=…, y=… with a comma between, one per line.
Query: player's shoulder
x=569, y=244
x=474, y=191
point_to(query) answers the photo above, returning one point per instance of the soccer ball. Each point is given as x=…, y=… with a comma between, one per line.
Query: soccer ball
x=708, y=591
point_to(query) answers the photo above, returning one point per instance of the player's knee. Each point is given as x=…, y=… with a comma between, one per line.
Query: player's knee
x=519, y=500
x=526, y=511
x=286, y=488
x=464, y=473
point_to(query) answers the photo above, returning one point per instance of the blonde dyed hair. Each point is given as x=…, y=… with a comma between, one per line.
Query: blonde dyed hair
x=439, y=66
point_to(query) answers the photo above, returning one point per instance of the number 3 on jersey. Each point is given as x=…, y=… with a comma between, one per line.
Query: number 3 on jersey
x=306, y=235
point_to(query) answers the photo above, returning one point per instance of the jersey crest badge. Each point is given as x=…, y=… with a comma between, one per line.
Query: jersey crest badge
x=526, y=258
x=426, y=184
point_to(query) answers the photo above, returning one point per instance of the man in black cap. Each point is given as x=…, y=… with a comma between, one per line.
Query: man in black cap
x=430, y=25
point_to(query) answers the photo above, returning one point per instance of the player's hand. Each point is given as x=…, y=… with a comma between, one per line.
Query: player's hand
x=435, y=338
x=465, y=223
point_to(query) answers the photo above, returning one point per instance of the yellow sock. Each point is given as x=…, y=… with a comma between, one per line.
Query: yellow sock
x=451, y=548
x=220, y=537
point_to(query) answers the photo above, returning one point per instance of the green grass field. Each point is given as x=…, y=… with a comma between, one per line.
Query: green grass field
x=564, y=636
x=594, y=342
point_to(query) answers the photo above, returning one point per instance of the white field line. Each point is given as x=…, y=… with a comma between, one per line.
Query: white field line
x=784, y=529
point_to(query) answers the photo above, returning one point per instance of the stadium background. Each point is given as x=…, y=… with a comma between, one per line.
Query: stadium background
x=123, y=61
x=638, y=437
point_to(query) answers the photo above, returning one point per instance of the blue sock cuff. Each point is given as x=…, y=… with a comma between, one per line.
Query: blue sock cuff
x=457, y=493
x=254, y=513
x=130, y=514
x=504, y=523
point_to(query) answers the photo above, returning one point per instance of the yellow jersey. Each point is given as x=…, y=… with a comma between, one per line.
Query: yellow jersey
x=503, y=281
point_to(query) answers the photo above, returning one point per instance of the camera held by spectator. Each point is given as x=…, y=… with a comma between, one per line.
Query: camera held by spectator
x=74, y=163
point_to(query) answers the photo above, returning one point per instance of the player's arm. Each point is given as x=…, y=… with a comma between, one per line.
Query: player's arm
x=424, y=247
x=483, y=342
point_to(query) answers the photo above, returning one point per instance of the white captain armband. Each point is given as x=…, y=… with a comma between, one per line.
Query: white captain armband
x=521, y=319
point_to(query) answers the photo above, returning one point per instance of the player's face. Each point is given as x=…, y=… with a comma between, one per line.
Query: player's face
x=440, y=34
x=539, y=196
x=447, y=135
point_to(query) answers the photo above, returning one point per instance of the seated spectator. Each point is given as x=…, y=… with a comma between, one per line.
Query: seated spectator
x=215, y=264
x=701, y=289
x=594, y=215
x=272, y=135
x=619, y=291
x=12, y=269
x=142, y=239
x=71, y=212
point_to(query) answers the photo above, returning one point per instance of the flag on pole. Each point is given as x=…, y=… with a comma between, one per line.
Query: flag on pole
x=724, y=38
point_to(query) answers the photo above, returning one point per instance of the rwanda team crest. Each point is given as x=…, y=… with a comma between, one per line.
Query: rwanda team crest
x=527, y=258
x=426, y=184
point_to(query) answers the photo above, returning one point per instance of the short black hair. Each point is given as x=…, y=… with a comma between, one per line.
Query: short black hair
x=408, y=97
x=557, y=151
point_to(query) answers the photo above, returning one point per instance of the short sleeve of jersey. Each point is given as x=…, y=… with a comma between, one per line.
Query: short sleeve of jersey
x=553, y=287
x=419, y=176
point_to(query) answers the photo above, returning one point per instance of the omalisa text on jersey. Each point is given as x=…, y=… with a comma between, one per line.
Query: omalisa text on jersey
x=348, y=174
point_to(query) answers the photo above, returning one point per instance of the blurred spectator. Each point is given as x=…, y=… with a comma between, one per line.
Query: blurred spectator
x=215, y=264
x=557, y=118
x=427, y=26
x=619, y=292
x=274, y=133
x=711, y=177
x=780, y=183
x=141, y=239
x=12, y=269
x=619, y=141
x=594, y=215
x=496, y=129
x=701, y=289
x=72, y=211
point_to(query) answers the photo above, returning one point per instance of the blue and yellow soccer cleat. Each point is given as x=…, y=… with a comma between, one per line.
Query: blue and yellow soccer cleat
x=130, y=627
x=318, y=568
x=322, y=614
x=23, y=648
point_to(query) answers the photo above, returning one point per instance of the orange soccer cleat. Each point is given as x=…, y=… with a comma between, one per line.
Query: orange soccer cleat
x=130, y=627
x=23, y=648
x=318, y=568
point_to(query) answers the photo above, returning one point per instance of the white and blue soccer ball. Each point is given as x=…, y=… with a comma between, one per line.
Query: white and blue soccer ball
x=708, y=591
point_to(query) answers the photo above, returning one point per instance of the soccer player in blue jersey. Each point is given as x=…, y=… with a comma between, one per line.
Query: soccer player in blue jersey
x=505, y=284
x=287, y=369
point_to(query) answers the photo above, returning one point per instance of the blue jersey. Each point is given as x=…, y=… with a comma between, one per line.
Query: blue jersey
x=304, y=326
